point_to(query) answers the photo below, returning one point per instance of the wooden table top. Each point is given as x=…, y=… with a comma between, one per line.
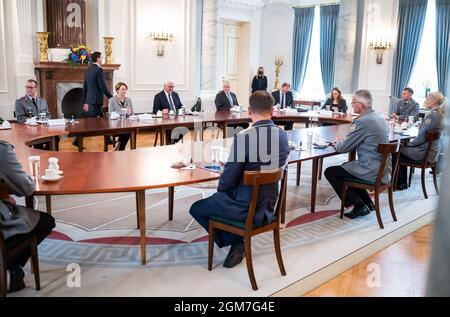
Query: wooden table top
x=139, y=169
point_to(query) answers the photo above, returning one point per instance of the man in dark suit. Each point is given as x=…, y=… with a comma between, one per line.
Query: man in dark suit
x=225, y=99
x=263, y=147
x=167, y=101
x=94, y=87
x=283, y=97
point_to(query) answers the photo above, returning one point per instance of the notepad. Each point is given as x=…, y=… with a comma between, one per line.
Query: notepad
x=55, y=122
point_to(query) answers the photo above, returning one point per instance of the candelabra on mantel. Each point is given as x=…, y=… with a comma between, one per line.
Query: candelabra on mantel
x=380, y=46
x=278, y=64
x=108, y=49
x=43, y=46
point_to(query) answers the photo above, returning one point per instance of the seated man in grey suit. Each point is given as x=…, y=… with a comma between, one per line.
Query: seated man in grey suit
x=284, y=98
x=30, y=105
x=18, y=223
x=406, y=106
x=366, y=133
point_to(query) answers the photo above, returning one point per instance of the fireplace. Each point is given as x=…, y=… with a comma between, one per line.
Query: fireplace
x=69, y=100
x=62, y=85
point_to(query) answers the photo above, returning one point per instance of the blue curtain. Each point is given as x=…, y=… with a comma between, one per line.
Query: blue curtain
x=329, y=16
x=411, y=19
x=303, y=25
x=443, y=45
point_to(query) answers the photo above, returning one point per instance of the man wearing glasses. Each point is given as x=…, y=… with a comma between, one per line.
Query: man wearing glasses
x=30, y=105
x=366, y=133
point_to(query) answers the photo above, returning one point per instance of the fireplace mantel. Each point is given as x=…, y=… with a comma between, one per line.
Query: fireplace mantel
x=48, y=74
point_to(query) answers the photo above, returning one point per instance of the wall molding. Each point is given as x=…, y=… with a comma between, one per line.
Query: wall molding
x=156, y=86
x=4, y=74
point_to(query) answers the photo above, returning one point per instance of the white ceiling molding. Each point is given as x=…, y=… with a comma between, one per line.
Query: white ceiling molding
x=248, y=4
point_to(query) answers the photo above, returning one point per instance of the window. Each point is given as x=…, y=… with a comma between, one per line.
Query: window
x=424, y=73
x=313, y=86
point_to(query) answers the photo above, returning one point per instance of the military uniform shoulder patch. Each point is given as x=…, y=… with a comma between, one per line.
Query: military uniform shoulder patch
x=353, y=127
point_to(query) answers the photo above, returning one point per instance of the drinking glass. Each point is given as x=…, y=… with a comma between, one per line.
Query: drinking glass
x=35, y=165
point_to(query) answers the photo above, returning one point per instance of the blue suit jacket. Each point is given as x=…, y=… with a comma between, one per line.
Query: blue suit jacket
x=262, y=146
x=94, y=86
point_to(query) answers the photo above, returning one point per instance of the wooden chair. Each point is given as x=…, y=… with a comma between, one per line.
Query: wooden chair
x=247, y=229
x=424, y=164
x=6, y=253
x=378, y=187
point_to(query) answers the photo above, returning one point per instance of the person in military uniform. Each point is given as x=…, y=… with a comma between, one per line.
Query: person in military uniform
x=416, y=149
x=18, y=223
x=366, y=133
x=30, y=105
x=406, y=106
x=263, y=146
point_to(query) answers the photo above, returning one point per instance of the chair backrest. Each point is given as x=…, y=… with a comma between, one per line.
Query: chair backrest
x=431, y=136
x=257, y=179
x=4, y=192
x=386, y=149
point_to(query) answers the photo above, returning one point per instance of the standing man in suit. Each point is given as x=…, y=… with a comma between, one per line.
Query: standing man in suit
x=165, y=101
x=366, y=133
x=95, y=87
x=30, y=105
x=406, y=107
x=18, y=223
x=226, y=99
x=285, y=99
x=264, y=146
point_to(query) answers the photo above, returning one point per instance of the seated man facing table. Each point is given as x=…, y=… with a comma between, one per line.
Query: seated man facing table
x=226, y=100
x=406, y=107
x=232, y=198
x=121, y=104
x=366, y=133
x=18, y=223
x=284, y=99
x=416, y=149
x=168, y=102
x=31, y=105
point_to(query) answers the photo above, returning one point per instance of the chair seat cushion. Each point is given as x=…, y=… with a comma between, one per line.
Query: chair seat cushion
x=359, y=181
x=237, y=224
x=410, y=161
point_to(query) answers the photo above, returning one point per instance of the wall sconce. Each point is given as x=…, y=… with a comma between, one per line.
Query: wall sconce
x=380, y=46
x=161, y=38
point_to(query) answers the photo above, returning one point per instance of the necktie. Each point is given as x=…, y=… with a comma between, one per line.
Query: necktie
x=35, y=104
x=230, y=99
x=172, y=107
x=282, y=101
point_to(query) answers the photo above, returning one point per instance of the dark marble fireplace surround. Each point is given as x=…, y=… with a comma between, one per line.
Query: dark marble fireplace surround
x=62, y=86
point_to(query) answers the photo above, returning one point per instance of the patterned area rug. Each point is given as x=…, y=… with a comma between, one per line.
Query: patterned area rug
x=98, y=233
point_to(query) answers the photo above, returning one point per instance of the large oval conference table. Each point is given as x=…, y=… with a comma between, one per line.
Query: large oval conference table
x=147, y=168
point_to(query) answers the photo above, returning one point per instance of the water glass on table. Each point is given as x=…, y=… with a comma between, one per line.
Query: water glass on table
x=34, y=165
